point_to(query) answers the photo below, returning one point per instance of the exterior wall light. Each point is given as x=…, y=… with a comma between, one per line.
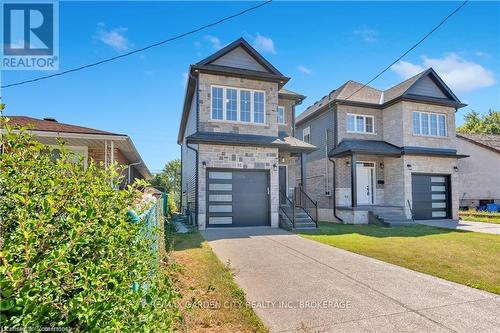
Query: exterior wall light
x=455, y=168
x=204, y=164
x=347, y=163
x=381, y=165
x=275, y=167
x=409, y=166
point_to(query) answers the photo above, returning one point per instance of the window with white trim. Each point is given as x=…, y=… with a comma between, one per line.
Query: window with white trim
x=306, y=135
x=429, y=124
x=281, y=114
x=234, y=104
x=358, y=123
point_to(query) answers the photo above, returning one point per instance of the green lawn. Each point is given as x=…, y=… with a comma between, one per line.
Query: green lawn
x=468, y=258
x=475, y=216
x=206, y=283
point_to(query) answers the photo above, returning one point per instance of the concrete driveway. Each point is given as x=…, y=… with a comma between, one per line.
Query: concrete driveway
x=487, y=228
x=298, y=285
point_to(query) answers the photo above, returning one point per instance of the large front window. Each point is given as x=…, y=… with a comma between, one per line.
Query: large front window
x=429, y=124
x=233, y=104
x=360, y=123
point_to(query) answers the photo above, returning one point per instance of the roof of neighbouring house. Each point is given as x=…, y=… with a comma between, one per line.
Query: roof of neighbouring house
x=355, y=92
x=49, y=130
x=288, y=143
x=490, y=141
x=52, y=125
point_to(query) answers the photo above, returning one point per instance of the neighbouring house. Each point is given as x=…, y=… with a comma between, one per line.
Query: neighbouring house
x=238, y=149
x=91, y=144
x=479, y=175
x=383, y=155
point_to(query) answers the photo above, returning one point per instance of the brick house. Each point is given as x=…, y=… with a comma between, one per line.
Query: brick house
x=91, y=144
x=383, y=155
x=238, y=149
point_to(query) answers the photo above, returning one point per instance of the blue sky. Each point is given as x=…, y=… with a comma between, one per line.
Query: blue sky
x=320, y=45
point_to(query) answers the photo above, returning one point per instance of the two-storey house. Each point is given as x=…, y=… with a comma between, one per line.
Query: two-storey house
x=238, y=148
x=383, y=156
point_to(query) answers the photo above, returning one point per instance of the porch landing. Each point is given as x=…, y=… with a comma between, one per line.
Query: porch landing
x=374, y=214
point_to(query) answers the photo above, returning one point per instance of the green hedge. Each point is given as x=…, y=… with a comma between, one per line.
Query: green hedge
x=69, y=256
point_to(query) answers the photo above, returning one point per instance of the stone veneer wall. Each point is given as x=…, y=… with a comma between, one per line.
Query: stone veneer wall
x=292, y=164
x=270, y=127
x=288, y=126
x=237, y=157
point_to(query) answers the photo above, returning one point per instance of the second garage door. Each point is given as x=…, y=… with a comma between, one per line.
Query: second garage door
x=431, y=196
x=237, y=198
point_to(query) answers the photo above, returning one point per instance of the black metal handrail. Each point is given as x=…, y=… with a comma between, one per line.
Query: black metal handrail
x=305, y=202
x=292, y=207
x=411, y=211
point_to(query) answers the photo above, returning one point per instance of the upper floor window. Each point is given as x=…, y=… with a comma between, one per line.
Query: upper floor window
x=360, y=123
x=306, y=135
x=233, y=104
x=432, y=124
x=281, y=114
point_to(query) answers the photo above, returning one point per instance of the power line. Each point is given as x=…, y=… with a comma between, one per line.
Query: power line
x=411, y=48
x=76, y=69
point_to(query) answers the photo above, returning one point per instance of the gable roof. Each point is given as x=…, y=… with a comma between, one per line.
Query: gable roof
x=240, y=43
x=488, y=141
x=353, y=92
x=213, y=66
x=52, y=125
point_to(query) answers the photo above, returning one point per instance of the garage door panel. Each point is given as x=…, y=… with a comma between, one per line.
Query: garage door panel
x=237, y=198
x=430, y=196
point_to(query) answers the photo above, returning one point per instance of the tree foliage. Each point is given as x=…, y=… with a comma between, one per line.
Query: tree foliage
x=486, y=124
x=169, y=179
x=69, y=256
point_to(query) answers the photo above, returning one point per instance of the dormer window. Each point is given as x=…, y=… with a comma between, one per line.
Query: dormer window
x=238, y=105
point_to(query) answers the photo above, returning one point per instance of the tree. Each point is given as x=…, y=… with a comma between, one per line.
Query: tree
x=169, y=179
x=487, y=124
x=69, y=256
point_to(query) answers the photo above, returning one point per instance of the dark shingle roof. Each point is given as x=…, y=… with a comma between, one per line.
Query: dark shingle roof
x=52, y=126
x=375, y=147
x=372, y=147
x=286, y=142
x=491, y=141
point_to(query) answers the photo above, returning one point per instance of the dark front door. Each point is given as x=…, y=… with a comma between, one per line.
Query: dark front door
x=431, y=196
x=237, y=198
x=283, y=189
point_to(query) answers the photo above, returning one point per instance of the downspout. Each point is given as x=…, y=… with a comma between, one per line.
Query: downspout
x=334, y=182
x=130, y=168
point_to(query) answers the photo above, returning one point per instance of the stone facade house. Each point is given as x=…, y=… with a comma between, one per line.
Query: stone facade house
x=238, y=149
x=479, y=175
x=91, y=144
x=385, y=156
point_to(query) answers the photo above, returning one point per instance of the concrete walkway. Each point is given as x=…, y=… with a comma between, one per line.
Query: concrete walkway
x=487, y=228
x=298, y=285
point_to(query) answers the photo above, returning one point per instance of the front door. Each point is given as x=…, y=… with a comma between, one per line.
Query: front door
x=364, y=183
x=283, y=187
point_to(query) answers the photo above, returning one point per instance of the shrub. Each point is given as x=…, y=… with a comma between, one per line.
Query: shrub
x=69, y=256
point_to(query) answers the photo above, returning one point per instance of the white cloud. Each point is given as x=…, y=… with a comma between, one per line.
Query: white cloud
x=460, y=74
x=114, y=38
x=303, y=69
x=406, y=69
x=484, y=55
x=264, y=44
x=215, y=41
x=367, y=34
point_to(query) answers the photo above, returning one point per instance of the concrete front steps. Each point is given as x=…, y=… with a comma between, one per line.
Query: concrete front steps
x=388, y=216
x=302, y=220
